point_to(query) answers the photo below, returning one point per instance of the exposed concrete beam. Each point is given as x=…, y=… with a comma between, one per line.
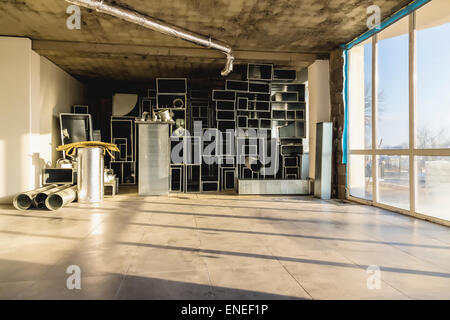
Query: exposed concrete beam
x=115, y=50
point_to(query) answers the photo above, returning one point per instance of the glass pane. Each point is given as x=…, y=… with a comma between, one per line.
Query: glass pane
x=433, y=186
x=393, y=87
x=433, y=70
x=360, y=96
x=393, y=181
x=361, y=176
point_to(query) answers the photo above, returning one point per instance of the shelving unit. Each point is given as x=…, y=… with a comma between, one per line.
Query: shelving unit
x=266, y=99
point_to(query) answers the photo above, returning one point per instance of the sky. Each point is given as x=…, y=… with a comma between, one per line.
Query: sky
x=433, y=85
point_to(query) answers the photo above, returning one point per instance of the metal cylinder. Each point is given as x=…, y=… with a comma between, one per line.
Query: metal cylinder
x=160, y=26
x=61, y=198
x=90, y=175
x=39, y=199
x=24, y=201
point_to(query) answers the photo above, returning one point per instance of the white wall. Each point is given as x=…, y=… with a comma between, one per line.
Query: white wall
x=58, y=92
x=319, y=104
x=32, y=93
x=15, y=102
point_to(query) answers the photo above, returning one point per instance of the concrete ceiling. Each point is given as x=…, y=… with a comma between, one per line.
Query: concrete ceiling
x=285, y=32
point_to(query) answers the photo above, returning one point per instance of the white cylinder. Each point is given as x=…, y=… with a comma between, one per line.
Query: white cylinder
x=90, y=175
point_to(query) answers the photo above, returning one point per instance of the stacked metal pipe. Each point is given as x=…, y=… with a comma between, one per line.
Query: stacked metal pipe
x=59, y=199
x=51, y=197
x=24, y=201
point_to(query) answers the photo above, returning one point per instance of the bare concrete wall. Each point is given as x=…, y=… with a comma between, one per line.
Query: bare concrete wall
x=338, y=118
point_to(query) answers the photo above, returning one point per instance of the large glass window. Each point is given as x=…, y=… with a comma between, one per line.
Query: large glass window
x=360, y=88
x=361, y=182
x=411, y=153
x=433, y=75
x=392, y=87
x=433, y=186
x=393, y=181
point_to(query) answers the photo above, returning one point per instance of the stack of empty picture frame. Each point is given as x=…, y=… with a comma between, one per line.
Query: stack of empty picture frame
x=58, y=176
x=288, y=114
x=148, y=103
x=291, y=166
x=211, y=146
x=75, y=128
x=227, y=171
x=193, y=178
x=189, y=165
x=169, y=90
x=225, y=109
x=177, y=169
x=123, y=133
x=247, y=148
x=177, y=178
x=199, y=107
x=81, y=109
x=210, y=177
x=252, y=104
x=171, y=94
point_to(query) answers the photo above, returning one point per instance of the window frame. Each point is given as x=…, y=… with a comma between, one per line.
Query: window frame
x=412, y=152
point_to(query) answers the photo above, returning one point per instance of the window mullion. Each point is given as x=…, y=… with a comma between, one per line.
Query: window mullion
x=374, y=118
x=412, y=104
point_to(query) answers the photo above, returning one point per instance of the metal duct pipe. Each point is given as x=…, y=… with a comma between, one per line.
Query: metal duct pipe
x=160, y=26
x=39, y=200
x=59, y=199
x=24, y=201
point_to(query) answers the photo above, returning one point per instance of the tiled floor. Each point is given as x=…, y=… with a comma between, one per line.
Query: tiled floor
x=218, y=246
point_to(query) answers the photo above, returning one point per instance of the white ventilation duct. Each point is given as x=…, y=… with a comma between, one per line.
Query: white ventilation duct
x=160, y=26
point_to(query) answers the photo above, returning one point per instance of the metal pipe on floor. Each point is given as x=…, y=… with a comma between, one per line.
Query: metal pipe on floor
x=24, y=201
x=39, y=200
x=160, y=26
x=61, y=198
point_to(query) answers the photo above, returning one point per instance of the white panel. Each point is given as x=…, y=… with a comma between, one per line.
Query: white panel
x=154, y=159
x=123, y=103
x=299, y=187
x=324, y=150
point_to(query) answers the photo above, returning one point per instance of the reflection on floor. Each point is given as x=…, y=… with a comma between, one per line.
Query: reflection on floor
x=221, y=246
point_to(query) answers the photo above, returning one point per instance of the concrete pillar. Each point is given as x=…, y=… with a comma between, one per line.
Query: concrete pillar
x=338, y=119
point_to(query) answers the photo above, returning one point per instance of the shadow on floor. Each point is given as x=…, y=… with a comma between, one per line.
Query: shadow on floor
x=138, y=287
x=290, y=259
x=24, y=280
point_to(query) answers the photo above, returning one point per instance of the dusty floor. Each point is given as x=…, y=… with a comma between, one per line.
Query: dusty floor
x=217, y=246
